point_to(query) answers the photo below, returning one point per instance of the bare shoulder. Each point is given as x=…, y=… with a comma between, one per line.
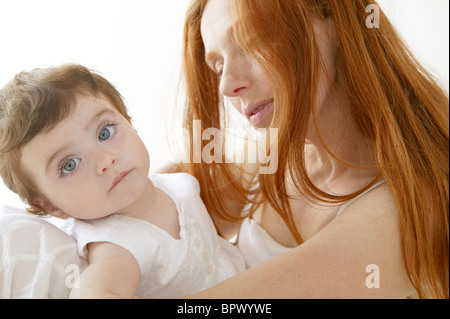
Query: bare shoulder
x=375, y=213
x=378, y=200
x=356, y=255
x=366, y=246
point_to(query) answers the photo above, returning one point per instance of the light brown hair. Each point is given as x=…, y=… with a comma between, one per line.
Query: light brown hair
x=395, y=103
x=34, y=102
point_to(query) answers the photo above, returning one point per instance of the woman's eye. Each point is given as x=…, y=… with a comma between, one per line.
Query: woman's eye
x=106, y=133
x=219, y=71
x=69, y=166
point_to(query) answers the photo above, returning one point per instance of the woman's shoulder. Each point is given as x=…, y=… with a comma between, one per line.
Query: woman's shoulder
x=364, y=237
x=377, y=199
x=364, y=196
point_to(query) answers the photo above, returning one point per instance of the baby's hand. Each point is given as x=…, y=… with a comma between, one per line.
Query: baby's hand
x=112, y=273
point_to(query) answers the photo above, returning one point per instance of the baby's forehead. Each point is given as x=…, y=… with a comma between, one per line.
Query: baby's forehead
x=86, y=109
x=83, y=114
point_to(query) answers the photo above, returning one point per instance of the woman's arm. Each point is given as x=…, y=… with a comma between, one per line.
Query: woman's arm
x=112, y=273
x=347, y=259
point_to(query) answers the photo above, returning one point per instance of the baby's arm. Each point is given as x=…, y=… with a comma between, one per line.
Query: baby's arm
x=112, y=273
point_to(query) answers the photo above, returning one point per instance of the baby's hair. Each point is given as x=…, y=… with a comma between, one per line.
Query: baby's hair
x=34, y=102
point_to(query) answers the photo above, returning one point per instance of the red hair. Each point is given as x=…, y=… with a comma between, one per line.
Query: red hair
x=395, y=103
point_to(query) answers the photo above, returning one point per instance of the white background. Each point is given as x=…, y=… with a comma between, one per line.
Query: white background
x=136, y=45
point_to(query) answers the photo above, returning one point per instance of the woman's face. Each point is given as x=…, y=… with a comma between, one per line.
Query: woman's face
x=241, y=79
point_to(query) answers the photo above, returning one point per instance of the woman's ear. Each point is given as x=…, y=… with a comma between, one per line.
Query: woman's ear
x=48, y=208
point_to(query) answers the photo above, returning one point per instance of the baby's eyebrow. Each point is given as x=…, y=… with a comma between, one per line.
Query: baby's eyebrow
x=94, y=119
x=50, y=160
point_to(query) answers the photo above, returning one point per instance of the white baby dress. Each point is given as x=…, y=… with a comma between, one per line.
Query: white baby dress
x=169, y=267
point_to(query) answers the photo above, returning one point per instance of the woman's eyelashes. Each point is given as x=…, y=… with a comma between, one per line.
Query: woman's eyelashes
x=218, y=69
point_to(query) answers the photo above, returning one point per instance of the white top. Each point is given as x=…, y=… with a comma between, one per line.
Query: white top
x=257, y=246
x=169, y=267
x=37, y=259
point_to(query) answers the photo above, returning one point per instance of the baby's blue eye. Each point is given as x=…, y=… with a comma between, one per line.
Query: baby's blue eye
x=106, y=133
x=69, y=166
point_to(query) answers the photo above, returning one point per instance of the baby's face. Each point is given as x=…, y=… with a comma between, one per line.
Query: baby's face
x=92, y=164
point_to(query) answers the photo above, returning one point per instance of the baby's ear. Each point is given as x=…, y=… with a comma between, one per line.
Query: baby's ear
x=48, y=208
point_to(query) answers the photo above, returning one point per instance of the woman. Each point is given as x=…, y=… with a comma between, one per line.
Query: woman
x=358, y=207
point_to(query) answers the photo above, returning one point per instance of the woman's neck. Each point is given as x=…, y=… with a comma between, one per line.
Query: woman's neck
x=338, y=146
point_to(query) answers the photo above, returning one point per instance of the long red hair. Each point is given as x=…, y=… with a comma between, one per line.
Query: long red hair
x=395, y=103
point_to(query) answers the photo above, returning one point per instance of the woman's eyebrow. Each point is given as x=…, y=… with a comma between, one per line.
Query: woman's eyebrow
x=211, y=55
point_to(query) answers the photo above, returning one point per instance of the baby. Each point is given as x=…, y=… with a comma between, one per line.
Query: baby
x=68, y=149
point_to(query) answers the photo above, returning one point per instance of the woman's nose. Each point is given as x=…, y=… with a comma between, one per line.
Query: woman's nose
x=235, y=79
x=104, y=161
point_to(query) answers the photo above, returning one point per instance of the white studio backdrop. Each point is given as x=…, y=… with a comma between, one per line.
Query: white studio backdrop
x=136, y=44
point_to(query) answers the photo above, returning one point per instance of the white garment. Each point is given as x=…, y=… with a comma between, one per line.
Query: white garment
x=36, y=258
x=257, y=246
x=169, y=267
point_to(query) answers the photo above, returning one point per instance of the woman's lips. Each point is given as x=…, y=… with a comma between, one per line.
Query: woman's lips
x=119, y=178
x=257, y=112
